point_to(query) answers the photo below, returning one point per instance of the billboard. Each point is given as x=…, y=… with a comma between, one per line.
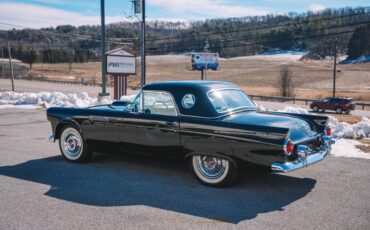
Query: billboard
x=201, y=60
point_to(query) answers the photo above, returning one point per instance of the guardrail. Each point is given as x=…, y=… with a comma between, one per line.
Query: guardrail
x=362, y=105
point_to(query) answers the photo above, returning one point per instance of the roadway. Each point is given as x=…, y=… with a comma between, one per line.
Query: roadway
x=39, y=190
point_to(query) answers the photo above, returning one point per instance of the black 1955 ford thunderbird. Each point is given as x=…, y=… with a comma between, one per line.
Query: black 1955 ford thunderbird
x=213, y=125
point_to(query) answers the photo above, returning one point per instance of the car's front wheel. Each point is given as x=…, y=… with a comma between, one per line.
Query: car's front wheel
x=214, y=171
x=73, y=146
x=315, y=108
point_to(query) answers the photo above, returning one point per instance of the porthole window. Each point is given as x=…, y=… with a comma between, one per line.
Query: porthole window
x=188, y=101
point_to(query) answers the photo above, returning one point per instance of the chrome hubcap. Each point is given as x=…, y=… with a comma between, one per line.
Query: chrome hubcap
x=211, y=167
x=71, y=144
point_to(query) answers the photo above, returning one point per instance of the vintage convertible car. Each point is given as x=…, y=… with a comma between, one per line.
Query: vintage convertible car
x=213, y=125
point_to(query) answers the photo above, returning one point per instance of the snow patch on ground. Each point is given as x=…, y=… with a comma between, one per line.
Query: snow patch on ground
x=272, y=57
x=290, y=109
x=358, y=130
x=128, y=98
x=46, y=99
x=347, y=148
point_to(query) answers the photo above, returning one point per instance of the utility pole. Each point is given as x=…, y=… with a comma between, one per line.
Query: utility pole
x=11, y=65
x=139, y=8
x=143, y=61
x=206, y=62
x=335, y=66
x=103, y=57
x=2, y=61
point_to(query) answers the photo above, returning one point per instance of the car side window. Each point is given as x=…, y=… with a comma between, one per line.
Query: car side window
x=159, y=103
x=334, y=100
x=326, y=100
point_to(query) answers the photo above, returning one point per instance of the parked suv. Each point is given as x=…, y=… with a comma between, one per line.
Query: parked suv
x=338, y=104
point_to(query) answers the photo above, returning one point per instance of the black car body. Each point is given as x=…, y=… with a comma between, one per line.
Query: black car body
x=214, y=124
x=337, y=104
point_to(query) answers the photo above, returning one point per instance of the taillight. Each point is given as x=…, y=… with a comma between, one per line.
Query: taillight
x=288, y=147
x=327, y=131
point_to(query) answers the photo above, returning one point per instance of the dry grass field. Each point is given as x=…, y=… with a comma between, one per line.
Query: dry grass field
x=255, y=74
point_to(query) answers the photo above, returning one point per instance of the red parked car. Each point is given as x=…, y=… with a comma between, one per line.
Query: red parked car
x=338, y=104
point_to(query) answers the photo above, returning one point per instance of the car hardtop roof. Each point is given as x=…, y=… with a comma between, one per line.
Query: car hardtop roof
x=194, y=85
x=199, y=89
x=342, y=98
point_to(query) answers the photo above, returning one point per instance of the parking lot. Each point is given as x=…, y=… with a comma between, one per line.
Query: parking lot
x=39, y=190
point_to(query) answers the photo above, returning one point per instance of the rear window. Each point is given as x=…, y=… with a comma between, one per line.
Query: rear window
x=229, y=99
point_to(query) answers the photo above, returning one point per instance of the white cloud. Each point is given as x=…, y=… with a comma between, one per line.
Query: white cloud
x=208, y=8
x=316, y=7
x=31, y=16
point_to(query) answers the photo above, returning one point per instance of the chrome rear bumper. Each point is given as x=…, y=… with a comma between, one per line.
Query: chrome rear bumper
x=306, y=156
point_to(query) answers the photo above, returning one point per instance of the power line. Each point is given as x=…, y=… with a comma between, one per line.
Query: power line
x=199, y=45
x=273, y=41
x=251, y=36
x=270, y=27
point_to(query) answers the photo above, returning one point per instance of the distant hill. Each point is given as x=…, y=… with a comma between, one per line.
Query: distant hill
x=231, y=37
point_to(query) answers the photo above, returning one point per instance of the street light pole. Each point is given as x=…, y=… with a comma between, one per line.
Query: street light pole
x=206, y=61
x=335, y=66
x=2, y=61
x=103, y=57
x=143, y=61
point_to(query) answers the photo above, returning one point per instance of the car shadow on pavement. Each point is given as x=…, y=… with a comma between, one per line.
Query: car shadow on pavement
x=116, y=180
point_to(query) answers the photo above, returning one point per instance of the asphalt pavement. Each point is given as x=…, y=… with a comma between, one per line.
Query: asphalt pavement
x=39, y=190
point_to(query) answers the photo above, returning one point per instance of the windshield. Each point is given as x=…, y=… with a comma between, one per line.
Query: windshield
x=230, y=99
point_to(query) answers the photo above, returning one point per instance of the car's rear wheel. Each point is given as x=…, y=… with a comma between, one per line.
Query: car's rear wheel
x=73, y=146
x=214, y=171
x=339, y=110
x=315, y=108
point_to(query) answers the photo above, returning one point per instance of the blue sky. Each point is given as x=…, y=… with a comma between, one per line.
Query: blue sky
x=41, y=13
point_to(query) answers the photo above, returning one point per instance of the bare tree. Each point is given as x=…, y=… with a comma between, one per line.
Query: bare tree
x=285, y=84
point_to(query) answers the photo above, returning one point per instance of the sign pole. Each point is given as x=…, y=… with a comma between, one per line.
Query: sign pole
x=335, y=66
x=206, y=54
x=2, y=60
x=103, y=57
x=11, y=65
x=120, y=86
x=143, y=64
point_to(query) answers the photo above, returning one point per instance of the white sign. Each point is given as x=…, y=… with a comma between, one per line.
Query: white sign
x=121, y=65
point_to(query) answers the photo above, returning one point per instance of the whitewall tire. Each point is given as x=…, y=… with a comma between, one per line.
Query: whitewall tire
x=213, y=171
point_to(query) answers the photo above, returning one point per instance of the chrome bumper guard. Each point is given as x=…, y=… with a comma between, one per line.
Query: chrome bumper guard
x=51, y=138
x=306, y=156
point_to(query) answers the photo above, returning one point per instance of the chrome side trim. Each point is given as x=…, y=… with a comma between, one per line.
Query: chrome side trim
x=306, y=157
x=51, y=138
